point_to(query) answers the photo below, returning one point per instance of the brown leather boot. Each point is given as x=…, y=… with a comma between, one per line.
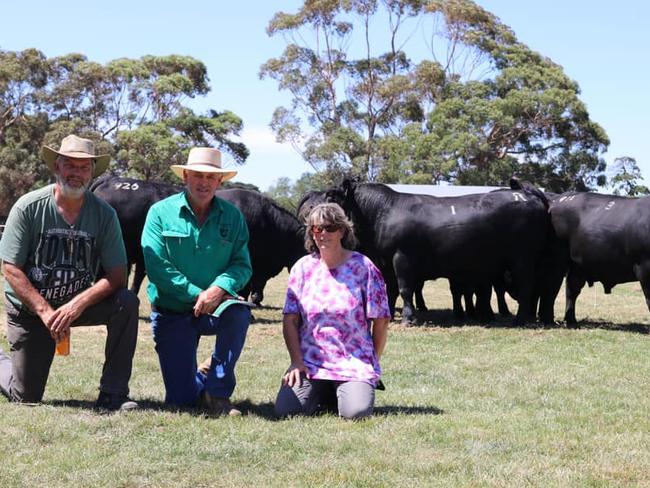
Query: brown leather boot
x=217, y=406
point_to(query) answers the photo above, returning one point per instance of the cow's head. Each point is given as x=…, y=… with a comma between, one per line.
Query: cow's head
x=343, y=194
x=309, y=201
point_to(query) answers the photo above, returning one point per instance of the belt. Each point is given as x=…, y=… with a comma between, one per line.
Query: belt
x=166, y=311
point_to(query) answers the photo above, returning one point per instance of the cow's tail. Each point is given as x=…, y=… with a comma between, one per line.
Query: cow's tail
x=529, y=188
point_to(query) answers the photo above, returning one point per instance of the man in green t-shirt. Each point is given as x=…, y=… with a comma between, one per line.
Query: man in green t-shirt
x=55, y=241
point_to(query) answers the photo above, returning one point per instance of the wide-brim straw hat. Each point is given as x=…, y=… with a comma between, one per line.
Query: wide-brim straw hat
x=204, y=160
x=78, y=148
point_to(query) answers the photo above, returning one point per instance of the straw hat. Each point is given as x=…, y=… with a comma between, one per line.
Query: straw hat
x=78, y=148
x=205, y=160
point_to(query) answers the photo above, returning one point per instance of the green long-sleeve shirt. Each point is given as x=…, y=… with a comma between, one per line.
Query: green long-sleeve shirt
x=183, y=259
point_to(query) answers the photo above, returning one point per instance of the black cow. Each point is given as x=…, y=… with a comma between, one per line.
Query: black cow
x=131, y=199
x=472, y=240
x=606, y=238
x=459, y=290
x=276, y=236
x=309, y=201
x=314, y=197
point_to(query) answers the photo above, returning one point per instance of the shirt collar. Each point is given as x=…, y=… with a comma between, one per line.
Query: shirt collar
x=215, y=206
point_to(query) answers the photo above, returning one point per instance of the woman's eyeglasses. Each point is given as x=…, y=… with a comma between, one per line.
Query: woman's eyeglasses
x=318, y=229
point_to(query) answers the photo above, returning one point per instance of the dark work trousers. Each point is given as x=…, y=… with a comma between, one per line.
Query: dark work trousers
x=23, y=375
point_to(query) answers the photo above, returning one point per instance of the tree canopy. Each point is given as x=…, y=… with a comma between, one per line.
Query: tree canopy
x=467, y=103
x=135, y=109
x=625, y=178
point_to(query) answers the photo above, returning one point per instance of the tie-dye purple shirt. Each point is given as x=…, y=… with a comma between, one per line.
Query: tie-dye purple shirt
x=335, y=306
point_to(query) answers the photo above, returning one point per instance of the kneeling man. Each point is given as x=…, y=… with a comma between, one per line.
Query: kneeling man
x=195, y=249
x=55, y=241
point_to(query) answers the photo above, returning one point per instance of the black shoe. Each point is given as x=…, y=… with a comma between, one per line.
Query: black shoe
x=114, y=402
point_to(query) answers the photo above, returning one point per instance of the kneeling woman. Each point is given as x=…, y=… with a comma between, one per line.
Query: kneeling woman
x=335, y=322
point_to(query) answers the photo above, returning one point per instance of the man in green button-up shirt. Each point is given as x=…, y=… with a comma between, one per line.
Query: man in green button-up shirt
x=196, y=253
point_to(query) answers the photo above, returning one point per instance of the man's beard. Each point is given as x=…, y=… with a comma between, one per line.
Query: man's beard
x=69, y=191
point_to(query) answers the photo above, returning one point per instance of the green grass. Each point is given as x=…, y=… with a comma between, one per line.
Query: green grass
x=465, y=405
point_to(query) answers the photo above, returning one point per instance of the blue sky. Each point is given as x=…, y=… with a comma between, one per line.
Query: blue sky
x=604, y=46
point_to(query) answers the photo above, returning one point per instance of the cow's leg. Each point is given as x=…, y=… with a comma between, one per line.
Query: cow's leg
x=483, y=296
x=574, y=283
x=257, y=290
x=406, y=282
x=523, y=275
x=456, y=288
x=246, y=290
x=392, y=290
x=138, y=276
x=419, y=298
x=546, y=290
x=500, y=291
x=548, y=278
x=642, y=272
x=468, y=296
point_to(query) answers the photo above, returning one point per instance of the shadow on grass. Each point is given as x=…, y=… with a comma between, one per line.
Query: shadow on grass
x=268, y=307
x=602, y=324
x=263, y=410
x=400, y=410
x=447, y=319
x=263, y=321
x=143, y=404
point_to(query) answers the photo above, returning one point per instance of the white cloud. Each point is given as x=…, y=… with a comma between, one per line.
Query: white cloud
x=268, y=160
x=262, y=140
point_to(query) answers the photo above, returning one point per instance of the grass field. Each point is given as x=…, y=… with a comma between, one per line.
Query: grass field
x=465, y=405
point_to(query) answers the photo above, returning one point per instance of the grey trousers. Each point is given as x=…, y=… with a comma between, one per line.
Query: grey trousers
x=354, y=399
x=23, y=375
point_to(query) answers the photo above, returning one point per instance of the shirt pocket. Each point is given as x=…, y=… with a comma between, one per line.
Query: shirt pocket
x=177, y=240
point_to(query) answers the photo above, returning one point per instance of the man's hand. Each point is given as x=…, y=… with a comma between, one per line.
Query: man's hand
x=210, y=299
x=60, y=320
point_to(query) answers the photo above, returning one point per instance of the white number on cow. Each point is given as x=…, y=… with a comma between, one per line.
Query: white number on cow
x=126, y=186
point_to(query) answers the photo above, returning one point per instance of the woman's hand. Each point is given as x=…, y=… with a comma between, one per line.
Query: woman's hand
x=292, y=375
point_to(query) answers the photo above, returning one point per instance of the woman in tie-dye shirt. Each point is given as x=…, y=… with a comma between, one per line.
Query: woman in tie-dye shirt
x=335, y=322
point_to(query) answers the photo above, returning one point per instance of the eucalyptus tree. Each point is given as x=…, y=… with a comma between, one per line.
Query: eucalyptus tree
x=135, y=109
x=626, y=178
x=427, y=90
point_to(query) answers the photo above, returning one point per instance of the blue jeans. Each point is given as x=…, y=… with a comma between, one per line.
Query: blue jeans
x=177, y=337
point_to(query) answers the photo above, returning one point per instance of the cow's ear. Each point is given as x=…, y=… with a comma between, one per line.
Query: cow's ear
x=347, y=185
x=515, y=183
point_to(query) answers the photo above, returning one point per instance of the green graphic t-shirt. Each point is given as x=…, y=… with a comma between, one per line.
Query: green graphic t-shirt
x=60, y=259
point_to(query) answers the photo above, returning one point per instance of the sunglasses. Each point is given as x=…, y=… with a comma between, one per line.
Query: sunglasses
x=317, y=229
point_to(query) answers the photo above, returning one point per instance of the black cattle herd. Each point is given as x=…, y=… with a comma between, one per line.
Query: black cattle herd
x=518, y=240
